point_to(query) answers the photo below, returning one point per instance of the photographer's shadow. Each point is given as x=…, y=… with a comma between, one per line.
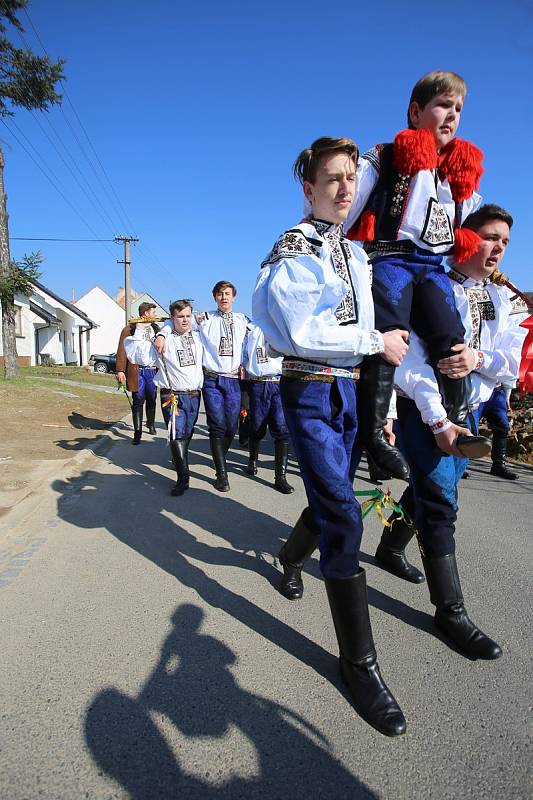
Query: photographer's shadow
x=193, y=687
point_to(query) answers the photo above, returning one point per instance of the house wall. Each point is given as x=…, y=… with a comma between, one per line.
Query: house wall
x=109, y=317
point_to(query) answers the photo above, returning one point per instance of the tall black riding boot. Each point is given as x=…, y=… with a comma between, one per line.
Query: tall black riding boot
x=391, y=550
x=180, y=457
x=455, y=394
x=358, y=660
x=150, y=419
x=227, y=443
x=281, y=455
x=374, y=392
x=253, y=447
x=451, y=616
x=218, y=451
x=499, y=449
x=375, y=474
x=300, y=545
x=137, y=415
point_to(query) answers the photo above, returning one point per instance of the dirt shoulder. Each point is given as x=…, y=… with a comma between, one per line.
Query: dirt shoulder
x=43, y=419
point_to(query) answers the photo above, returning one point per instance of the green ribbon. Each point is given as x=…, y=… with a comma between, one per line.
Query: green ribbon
x=380, y=500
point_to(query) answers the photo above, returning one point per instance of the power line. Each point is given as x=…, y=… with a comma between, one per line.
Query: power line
x=48, y=239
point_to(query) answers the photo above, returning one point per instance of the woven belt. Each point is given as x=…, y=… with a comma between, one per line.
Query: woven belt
x=154, y=367
x=264, y=378
x=211, y=374
x=384, y=248
x=307, y=371
x=193, y=392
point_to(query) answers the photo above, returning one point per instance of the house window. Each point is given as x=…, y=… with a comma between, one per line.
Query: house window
x=18, y=321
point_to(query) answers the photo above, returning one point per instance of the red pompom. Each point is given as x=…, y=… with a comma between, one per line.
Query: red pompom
x=461, y=162
x=466, y=245
x=414, y=150
x=366, y=230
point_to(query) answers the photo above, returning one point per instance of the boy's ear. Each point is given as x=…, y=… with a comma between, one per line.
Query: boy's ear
x=414, y=113
x=309, y=191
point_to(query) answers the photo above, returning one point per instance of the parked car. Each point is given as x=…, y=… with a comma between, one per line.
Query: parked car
x=104, y=363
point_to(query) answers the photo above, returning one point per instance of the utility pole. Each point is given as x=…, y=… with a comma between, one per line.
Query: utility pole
x=127, y=272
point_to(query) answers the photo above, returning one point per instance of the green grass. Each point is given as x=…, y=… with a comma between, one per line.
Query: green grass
x=73, y=373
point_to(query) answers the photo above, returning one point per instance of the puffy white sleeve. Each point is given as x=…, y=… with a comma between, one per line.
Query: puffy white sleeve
x=139, y=350
x=502, y=363
x=416, y=379
x=366, y=179
x=294, y=304
x=471, y=205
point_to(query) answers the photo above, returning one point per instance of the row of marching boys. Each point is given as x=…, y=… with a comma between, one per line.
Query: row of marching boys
x=350, y=322
x=206, y=354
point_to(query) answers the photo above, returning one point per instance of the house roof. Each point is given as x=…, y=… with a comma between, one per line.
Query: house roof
x=65, y=303
x=44, y=314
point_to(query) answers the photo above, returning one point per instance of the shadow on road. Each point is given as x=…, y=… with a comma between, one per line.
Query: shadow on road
x=192, y=688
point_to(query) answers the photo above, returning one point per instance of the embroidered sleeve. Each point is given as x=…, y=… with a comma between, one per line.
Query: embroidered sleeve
x=372, y=156
x=518, y=306
x=291, y=244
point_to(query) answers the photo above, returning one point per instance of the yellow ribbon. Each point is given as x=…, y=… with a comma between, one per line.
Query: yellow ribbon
x=380, y=501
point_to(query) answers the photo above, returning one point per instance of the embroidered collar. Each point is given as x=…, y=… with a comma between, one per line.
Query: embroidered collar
x=227, y=315
x=466, y=282
x=322, y=227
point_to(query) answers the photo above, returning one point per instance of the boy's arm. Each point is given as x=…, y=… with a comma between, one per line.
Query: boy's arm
x=416, y=379
x=300, y=319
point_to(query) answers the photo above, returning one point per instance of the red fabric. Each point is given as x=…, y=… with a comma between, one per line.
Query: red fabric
x=461, y=163
x=526, y=363
x=466, y=245
x=414, y=151
x=366, y=230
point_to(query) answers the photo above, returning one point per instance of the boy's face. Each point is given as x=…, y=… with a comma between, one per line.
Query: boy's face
x=332, y=192
x=440, y=116
x=224, y=299
x=182, y=320
x=494, y=236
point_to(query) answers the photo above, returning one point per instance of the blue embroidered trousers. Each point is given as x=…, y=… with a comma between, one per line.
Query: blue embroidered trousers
x=147, y=389
x=188, y=406
x=433, y=489
x=413, y=291
x=222, y=401
x=322, y=422
x=266, y=410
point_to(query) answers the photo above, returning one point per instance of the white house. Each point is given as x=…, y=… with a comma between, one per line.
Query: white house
x=108, y=316
x=51, y=329
x=136, y=299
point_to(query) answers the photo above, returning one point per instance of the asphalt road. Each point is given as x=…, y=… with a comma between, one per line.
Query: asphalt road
x=145, y=651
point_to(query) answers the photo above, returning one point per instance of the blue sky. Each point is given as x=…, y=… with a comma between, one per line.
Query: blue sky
x=196, y=112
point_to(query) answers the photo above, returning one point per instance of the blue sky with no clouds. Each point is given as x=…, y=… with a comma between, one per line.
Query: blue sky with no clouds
x=197, y=110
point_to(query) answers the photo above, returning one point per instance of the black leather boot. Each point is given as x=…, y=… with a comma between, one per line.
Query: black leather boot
x=358, y=660
x=451, y=616
x=499, y=450
x=253, y=446
x=218, y=451
x=180, y=457
x=300, y=545
x=150, y=419
x=375, y=474
x=227, y=443
x=455, y=394
x=374, y=392
x=137, y=415
x=281, y=451
x=391, y=550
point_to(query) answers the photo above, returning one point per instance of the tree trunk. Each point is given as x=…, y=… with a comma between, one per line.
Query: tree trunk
x=8, y=305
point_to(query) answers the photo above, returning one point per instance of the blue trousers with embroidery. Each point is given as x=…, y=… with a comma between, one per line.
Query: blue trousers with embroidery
x=188, y=406
x=222, y=401
x=147, y=389
x=433, y=489
x=322, y=422
x=266, y=411
x=413, y=291
x=495, y=411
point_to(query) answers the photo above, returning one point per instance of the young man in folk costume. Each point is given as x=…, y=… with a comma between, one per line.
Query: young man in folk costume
x=491, y=313
x=314, y=304
x=222, y=333
x=179, y=378
x=413, y=196
x=266, y=411
x=139, y=377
